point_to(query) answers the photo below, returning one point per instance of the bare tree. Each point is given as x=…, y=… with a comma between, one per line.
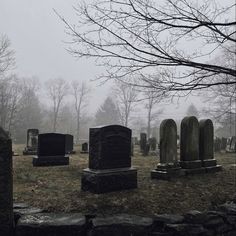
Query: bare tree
x=172, y=38
x=57, y=89
x=152, y=99
x=126, y=96
x=7, y=59
x=10, y=93
x=80, y=94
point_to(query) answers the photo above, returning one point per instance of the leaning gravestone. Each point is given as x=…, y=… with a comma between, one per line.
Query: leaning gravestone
x=189, y=146
x=69, y=144
x=206, y=146
x=109, y=160
x=51, y=150
x=84, y=148
x=143, y=141
x=168, y=166
x=6, y=185
x=31, y=142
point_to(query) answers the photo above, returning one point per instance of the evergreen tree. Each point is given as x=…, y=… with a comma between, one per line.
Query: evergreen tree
x=107, y=114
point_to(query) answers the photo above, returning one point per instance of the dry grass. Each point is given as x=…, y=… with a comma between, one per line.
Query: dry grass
x=58, y=188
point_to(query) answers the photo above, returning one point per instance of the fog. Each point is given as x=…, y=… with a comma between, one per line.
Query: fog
x=39, y=40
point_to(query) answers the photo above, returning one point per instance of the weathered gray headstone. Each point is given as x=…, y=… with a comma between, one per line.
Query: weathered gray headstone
x=31, y=142
x=6, y=185
x=189, y=146
x=206, y=145
x=168, y=165
x=109, y=160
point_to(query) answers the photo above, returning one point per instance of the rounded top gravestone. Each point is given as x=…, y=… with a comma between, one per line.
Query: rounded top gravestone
x=168, y=141
x=109, y=147
x=206, y=141
x=189, y=141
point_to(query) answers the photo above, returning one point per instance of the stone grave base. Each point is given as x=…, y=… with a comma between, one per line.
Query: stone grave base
x=166, y=172
x=201, y=170
x=102, y=181
x=191, y=164
x=29, y=152
x=50, y=160
x=213, y=169
x=209, y=162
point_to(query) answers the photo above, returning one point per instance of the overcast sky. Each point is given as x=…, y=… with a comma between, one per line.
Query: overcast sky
x=37, y=36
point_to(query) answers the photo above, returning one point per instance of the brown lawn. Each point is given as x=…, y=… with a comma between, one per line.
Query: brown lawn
x=57, y=189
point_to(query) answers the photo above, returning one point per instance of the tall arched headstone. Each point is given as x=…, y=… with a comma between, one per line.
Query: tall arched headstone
x=168, y=165
x=189, y=146
x=206, y=146
x=109, y=160
x=6, y=184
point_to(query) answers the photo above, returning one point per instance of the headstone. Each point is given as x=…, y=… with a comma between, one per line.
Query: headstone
x=109, y=160
x=217, y=144
x=146, y=149
x=223, y=143
x=189, y=146
x=31, y=142
x=135, y=140
x=84, y=148
x=132, y=148
x=69, y=144
x=231, y=144
x=51, y=150
x=168, y=166
x=143, y=141
x=153, y=143
x=6, y=185
x=206, y=146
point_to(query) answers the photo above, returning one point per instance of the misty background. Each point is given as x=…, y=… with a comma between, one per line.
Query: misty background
x=41, y=90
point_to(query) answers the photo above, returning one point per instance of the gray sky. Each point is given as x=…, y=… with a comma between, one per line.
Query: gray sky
x=37, y=36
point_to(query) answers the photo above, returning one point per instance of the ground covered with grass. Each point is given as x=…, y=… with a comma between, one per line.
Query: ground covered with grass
x=58, y=189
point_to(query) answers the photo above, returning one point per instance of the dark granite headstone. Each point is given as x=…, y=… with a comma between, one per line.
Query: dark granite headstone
x=206, y=146
x=51, y=150
x=189, y=146
x=143, y=141
x=84, y=148
x=109, y=160
x=69, y=144
x=31, y=142
x=6, y=185
x=168, y=166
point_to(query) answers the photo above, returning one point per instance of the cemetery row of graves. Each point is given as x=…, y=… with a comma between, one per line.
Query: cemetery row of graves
x=111, y=148
x=110, y=170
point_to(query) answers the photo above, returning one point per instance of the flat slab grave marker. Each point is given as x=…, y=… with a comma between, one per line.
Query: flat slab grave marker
x=109, y=160
x=31, y=142
x=189, y=146
x=6, y=185
x=168, y=166
x=51, y=150
x=206, y=146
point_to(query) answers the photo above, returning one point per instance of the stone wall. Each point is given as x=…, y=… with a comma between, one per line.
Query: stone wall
x=218, y=222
